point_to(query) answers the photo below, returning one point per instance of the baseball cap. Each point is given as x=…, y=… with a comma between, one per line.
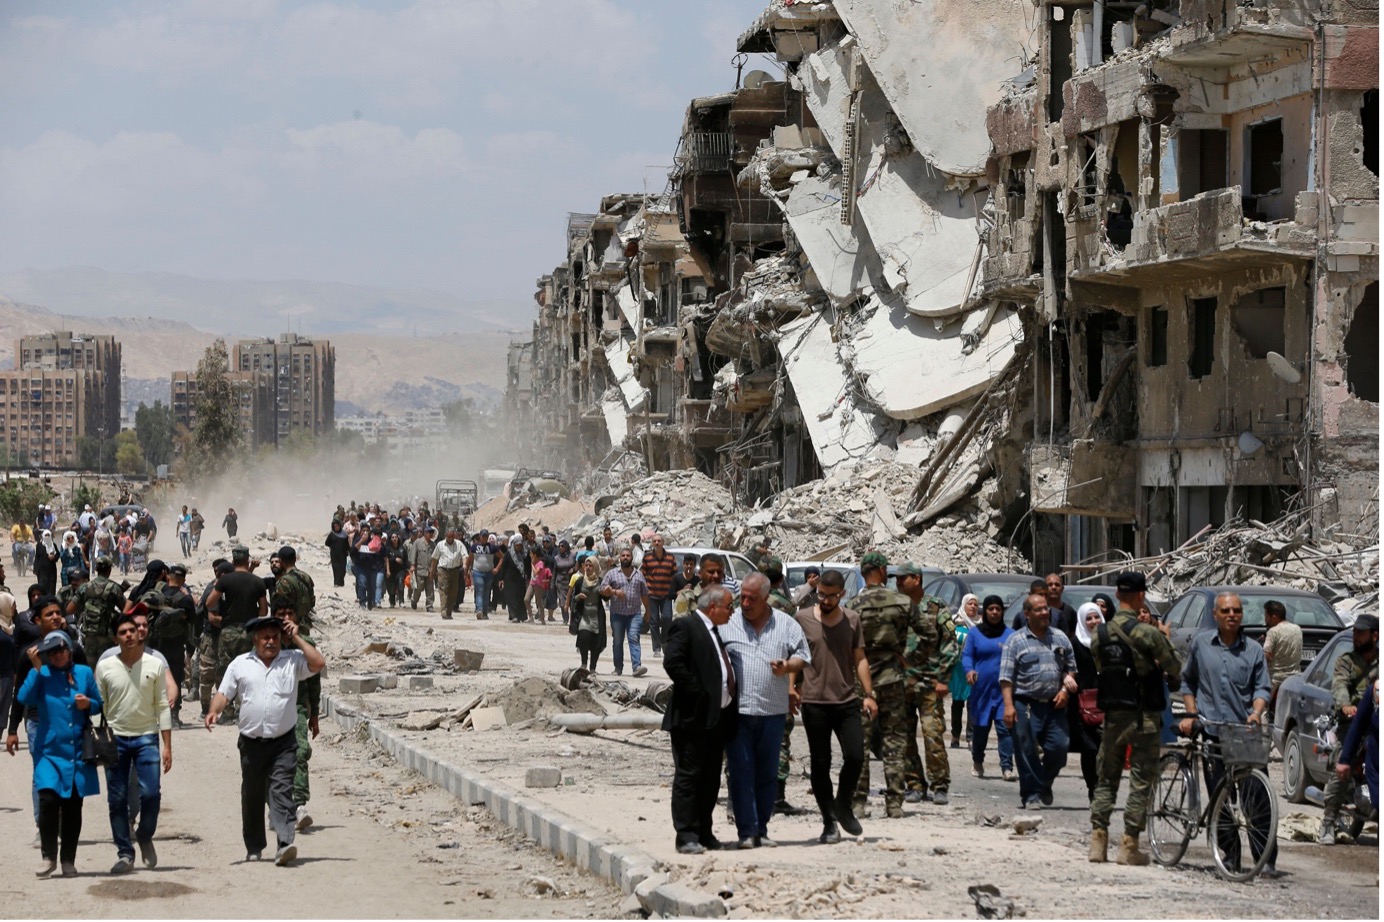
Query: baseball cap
x=874, y=561
x=53, y=640
x=179, y=569
x=909, y=568
x=240, y=552
x=1131, y=581
x=1366, y=623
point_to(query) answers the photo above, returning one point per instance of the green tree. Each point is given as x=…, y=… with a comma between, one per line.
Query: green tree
x=216, y=438
x=95, y=454
x=85, y=495
x=20, y=498
x=129, y=459
x=154, y=426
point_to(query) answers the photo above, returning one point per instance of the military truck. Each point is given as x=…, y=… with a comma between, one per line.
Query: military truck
x=457, y=499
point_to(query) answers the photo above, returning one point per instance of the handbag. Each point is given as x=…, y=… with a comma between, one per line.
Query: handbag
x=98, y=744
x=1089, y=710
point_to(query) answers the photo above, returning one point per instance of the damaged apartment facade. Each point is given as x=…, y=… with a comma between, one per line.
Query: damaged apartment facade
x=1104, y=270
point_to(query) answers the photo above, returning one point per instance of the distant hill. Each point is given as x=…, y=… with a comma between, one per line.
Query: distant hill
x=258, y=308
x=375, y=371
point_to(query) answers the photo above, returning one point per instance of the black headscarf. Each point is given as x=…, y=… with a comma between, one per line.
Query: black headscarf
x=1110, y=606
x=155, y=571
x=983, y=625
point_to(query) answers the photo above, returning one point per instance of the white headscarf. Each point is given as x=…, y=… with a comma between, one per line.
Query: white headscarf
x=961, y=611
x=47, y=541
x=1083, y=636
x=69, y=538
x=8, y=610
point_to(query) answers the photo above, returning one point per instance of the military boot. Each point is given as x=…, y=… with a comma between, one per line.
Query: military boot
x=781, y=806
x=1100, y=845
x=1129, y=851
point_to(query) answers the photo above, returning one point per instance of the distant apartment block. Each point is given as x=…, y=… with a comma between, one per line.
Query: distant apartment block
x=281, y=385
x=65, y=386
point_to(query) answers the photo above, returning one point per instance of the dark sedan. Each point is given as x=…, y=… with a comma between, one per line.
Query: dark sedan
x=953, y=587
x=1191, y=614
x=1302, y=698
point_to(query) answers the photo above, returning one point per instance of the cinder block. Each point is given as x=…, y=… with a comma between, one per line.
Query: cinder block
x=358, y=684
x=467, y=660
x=543, y=777
x=388, y=680
x=417, y=682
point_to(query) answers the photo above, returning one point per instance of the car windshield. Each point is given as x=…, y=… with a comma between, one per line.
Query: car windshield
x=1304, y=611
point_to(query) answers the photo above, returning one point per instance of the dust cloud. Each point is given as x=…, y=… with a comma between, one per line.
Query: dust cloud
x=298, y=493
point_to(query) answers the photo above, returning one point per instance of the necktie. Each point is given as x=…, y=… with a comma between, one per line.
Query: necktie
x=725, y=658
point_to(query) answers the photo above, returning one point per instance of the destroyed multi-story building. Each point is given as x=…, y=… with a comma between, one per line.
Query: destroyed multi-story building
x=1107, y=270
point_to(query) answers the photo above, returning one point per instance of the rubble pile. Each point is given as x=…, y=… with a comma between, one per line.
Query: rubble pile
x=684, y=505
x=535, y=697
x=1280, y=553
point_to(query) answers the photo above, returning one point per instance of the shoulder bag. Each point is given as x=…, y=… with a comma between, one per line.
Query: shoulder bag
x=1089, y=711
x=98, y=743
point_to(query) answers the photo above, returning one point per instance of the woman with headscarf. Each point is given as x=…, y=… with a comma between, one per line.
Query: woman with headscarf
x=1107, y=605
x=516, y=578
x=338, y=547
x=9, y=652
x=65, y=696
x=564, y=566
x=70, y=556
x=155, y=572
x=1084, y=740
x=588, y=619
x=46, y=556
x=981, y=660
x=960, y=689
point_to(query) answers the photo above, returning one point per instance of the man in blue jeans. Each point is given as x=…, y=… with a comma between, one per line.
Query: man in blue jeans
x=137, y=710
x=1037, y=676
x=764, y=646
x=625, y=590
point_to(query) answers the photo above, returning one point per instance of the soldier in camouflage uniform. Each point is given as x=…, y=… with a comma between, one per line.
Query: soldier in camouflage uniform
x=208, y=645
x=928, y=671
x=886, y=616
x=309, y=708
x=94, y=604
x=1354, y=670
x=1133, y=664
x=294, y=588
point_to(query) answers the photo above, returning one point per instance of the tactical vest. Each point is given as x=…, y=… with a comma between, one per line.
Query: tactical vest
x=167, y=622
x=1126, y=681
x=96, y=603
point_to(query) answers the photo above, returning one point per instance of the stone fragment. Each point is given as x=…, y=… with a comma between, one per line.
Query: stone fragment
x=488, y=718
x=387, y=680
x=542, y=776
x=358, y=684
x=417, y=682
x=467, y=660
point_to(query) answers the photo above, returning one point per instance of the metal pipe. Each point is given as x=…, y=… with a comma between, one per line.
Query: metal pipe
x=590, y=723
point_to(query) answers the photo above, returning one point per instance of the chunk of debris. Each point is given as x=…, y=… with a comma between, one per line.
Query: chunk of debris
x=990, y=902
x=467, y=660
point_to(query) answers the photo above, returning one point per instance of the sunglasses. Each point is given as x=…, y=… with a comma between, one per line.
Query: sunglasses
x=1238, y=611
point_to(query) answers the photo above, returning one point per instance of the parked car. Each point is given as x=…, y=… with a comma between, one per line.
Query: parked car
x=952, y=588
x=739, y=564
x=1191, y=613
x=1303, y=698
x=1075, y=595
x=795, y=574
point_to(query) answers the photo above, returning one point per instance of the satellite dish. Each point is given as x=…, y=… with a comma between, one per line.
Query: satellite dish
x=1249, y=445
x=756, y=79
x=1284, y=368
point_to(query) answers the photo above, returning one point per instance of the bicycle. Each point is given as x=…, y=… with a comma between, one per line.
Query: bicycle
x=1242, y=814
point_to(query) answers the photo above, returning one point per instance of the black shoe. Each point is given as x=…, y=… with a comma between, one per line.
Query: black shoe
x=830, y=835
x=1046, y=797
x=844, y=816
x=712, y=845
x=691, y=848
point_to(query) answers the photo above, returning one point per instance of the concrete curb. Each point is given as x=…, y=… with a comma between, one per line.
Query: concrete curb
x=633, y=871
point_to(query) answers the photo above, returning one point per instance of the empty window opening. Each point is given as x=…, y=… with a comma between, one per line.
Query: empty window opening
x=1016, y=186
x=1086, y=150
x=1199, y=507
x=1258, y=318
x=1096, y=324
x=1158, y=337
x=1369, y=123
x=1201, y=160
x=1055, y=233
x=1362, y=347
x=1261, y=502
x=1264, y=157
x=1059, y=61
x=1201, y=337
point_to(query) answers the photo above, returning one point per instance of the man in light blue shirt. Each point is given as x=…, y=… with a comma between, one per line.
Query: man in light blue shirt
x=764, y=646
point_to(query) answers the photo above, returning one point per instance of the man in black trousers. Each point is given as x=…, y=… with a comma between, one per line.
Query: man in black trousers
x=700, y=717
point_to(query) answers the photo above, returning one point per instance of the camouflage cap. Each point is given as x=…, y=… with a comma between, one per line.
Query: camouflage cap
x=874, y=561
x=770, y=563
x=908, y=568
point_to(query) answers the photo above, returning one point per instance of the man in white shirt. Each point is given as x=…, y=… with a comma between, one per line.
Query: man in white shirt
x=448, y=561
x=133, y=688
x=266, y=682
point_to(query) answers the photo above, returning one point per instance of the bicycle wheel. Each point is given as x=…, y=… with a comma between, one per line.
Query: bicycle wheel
x=1172, y=817
x=1243, y=825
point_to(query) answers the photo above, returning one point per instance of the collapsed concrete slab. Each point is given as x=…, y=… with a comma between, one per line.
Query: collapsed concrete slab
x=921, y=222
x=939, y=63
x=616, y=417
x=617, y=357
x=840, y=430
x=841, y=257
x=911, y=368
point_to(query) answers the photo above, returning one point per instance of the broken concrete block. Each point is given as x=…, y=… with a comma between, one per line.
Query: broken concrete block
x=467, y=660
x=358, y=684
x=488, y=718
x=388, y=680
x=542, y=776
x=423, y=720
x=417, y=682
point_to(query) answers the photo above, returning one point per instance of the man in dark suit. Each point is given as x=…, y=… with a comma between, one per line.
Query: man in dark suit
x=700, y=716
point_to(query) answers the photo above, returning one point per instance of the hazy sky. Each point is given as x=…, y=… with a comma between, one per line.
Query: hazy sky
x=436, y=143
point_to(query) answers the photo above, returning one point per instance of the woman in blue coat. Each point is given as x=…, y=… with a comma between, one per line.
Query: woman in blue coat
x=65, y=695
x=981, y=661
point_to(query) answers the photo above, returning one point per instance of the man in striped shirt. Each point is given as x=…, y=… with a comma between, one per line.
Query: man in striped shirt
x=623, y=587
x=1037, y=676
x=659, y=569
x=765, y=646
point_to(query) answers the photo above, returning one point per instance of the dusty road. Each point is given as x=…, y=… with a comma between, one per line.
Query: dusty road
x=386, y=844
